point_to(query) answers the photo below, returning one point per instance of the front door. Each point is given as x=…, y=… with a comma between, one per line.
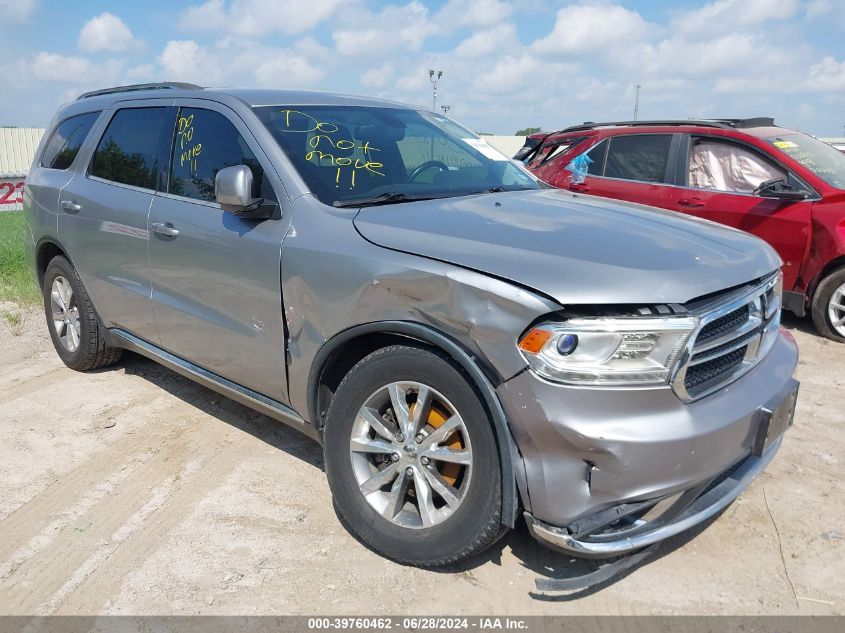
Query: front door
x=720, y=178
x=216, y=283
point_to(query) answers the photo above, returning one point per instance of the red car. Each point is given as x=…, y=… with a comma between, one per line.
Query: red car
x=783, y=186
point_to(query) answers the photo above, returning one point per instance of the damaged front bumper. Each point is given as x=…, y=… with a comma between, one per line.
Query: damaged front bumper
x=629, y=527
x=609, y=471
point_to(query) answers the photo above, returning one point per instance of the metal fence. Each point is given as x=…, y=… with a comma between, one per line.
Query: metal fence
x=17, y=148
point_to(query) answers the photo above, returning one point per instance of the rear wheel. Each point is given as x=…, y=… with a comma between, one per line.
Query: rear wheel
x=828, y=309
x=412, y=460
x=77, y=335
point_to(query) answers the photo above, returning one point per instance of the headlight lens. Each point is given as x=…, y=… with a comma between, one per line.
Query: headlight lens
x=603, y=351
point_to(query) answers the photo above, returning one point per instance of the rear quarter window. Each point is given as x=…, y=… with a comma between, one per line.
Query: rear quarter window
x=67, y=138
x=128, y=151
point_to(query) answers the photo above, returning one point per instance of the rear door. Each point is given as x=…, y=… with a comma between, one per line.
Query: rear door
x=45, y=182
x=216, y=282
x=633, y=167
x=717, y=179
x=104, y=209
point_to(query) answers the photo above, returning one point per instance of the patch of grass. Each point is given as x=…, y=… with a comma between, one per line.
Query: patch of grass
x=14, y=321
x=16, y=281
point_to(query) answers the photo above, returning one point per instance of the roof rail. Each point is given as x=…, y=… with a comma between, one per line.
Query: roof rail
x=717, y=123
x=760, y=121
x=589, y=125
x=165, y=85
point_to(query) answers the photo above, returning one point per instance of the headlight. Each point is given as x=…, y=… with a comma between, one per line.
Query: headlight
x=602, y=351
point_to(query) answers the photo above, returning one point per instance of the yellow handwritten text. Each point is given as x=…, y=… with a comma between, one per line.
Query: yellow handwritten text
x=324, y=138
x=185, y=131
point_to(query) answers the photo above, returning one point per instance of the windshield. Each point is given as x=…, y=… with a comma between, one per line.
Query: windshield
x=820, y=158
x=346, y=153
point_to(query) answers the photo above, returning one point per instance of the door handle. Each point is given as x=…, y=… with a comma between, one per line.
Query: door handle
x=167, y=230
x=691, y=202
x=71, y=207
x=579, y=187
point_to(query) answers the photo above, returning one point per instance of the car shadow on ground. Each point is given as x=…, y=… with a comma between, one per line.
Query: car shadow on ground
x=265, y=428
x=532, y=555
x=548, y=563
x=802, y=324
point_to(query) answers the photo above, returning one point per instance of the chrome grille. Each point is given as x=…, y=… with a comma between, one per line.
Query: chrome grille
x=724, y=324
x=708, y=370
x=735, y=331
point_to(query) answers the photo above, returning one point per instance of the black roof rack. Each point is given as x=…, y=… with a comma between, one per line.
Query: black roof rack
x=759, y=121
x=165, y=85
x=717, y=123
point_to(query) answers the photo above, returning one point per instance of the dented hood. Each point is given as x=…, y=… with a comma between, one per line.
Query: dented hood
x=577, y=249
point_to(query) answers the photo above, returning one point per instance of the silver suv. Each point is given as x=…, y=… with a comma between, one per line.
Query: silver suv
x=465, y=343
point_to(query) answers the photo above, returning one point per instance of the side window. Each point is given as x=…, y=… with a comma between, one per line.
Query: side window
x=541, y=155
x=127, y=153
x=206, y=142
x=725, y=166
x=597, y=154
x=66, y=140
x=562, y=148
x=641, y=157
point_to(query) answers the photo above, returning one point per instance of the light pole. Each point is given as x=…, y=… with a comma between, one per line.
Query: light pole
x=434, y=78
x=637, y=102
x=446, y=109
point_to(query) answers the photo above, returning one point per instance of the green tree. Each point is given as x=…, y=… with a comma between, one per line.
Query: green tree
x=527, y=131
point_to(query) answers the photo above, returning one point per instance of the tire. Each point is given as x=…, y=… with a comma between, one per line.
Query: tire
x=80, y=325
x=454, y=532
x=830, y=291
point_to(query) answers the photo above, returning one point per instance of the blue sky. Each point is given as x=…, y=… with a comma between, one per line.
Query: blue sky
x=507, y=64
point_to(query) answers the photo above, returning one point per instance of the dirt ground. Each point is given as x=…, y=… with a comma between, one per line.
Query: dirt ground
x=134, y=491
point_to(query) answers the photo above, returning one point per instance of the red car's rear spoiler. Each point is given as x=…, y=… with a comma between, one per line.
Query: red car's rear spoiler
x=532, y=143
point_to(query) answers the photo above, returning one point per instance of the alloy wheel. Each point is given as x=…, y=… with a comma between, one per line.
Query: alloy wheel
x=411, y=454
x=836, y=310
x=65, y=313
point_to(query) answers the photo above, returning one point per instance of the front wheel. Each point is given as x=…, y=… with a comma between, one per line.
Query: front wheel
x=828, y=309
x=412, y=460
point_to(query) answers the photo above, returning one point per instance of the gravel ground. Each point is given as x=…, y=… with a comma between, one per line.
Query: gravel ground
x=134, y=491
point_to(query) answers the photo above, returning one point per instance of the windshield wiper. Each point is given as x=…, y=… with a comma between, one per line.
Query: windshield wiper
x=390, y=197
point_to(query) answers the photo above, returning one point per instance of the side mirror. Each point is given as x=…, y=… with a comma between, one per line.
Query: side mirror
x=233, y=191
x=777, y=188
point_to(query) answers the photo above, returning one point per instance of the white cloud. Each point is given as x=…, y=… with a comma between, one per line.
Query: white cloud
x=827, y=75
x=508, y=74
x=722, y=14
x=583, y=29
x=287, y=71
x=816, y=8
x=52, y=67
x=366, y=34
x=185, y=60
x=106, y=32
x=377, y=77
x=258, y=17
x=234, y=61
x=143, y=73
x=487, y=42
x=474, y=13
x=17, y=10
